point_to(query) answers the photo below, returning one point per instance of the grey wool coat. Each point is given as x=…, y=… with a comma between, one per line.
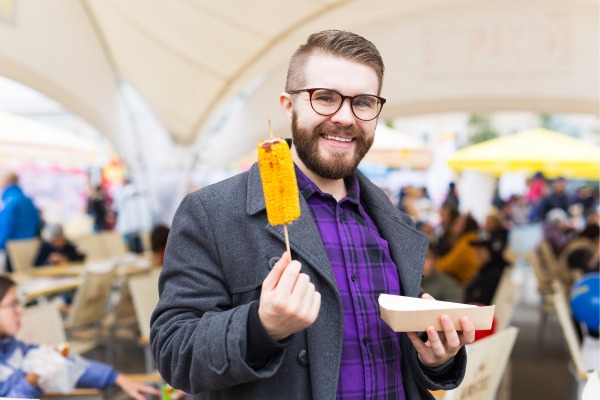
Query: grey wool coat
x=216, y=259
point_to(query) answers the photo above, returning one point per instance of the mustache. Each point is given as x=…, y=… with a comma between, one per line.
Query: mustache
x=335, y=129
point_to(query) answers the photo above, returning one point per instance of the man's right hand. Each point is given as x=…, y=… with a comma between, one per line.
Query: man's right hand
x=289, y=302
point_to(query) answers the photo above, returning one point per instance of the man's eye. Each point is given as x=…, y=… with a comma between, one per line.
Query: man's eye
x=326, y=99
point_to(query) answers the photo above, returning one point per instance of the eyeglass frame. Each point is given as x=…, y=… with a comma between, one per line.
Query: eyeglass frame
x=13, y=304
x=311, y=91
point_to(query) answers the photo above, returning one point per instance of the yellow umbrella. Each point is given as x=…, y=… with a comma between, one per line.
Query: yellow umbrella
x=536, y=150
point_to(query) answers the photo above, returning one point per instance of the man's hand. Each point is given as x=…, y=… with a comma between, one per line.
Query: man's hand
x=57, y=258
x=135, y=389
x=442, y=346
x=289, y=302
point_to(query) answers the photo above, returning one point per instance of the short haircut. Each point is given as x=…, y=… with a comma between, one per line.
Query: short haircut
x=11, y=178
x=158, y=238
x=342, y=44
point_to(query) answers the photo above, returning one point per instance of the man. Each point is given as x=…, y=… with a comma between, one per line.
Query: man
x=236, y=319
x=19, y=219
x=557, y=199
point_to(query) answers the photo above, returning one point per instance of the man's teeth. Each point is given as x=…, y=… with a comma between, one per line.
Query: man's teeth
x=339, y=139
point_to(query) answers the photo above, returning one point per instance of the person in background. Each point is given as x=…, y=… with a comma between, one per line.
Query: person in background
x=556, y=229
x=445, y=240
x=437, y=284
x=98, y=208
x=494, y=229
x=18, y=384
x=584, y=259
x=452, y=197
x=519, y=210
x=537, y=190
x=19, y=219
x=461, y=261
x=56, y=249
x=132, y=207
x=482, y=287
x=158, y=240
x=428, y=230
x=557, y=199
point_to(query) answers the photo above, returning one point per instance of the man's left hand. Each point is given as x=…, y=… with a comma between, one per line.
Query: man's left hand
x=442, y=346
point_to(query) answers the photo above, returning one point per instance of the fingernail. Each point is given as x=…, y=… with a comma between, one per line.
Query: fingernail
x=446, y=319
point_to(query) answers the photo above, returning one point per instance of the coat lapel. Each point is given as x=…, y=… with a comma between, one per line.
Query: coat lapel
x=408, y=246
x=305, y=239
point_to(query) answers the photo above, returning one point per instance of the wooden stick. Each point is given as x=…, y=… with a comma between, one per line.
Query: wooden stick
x=270, y=130
x=287, y=240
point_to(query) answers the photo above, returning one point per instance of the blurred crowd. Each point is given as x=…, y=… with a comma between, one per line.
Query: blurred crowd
x=466, y=260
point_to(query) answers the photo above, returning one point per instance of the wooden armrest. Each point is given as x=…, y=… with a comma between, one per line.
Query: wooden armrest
x=150, y=378
x=144, y=341
x=75, y=393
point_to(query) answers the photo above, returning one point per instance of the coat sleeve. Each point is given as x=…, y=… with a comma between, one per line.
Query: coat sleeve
x=445, y=377
x=198, y=340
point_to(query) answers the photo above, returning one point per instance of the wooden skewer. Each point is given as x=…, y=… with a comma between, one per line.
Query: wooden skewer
x=287, y=240
x=270, y=130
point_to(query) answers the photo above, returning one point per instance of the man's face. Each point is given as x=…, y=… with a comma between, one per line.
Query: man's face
x=559, y=186
x=316, y=138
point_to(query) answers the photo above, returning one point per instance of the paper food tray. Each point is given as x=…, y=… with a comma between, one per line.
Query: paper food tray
x=409, y=314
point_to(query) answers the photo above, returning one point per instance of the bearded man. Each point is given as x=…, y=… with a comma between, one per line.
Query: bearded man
x=238, y=320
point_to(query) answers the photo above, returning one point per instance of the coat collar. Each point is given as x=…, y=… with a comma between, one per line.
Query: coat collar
x=408, y=246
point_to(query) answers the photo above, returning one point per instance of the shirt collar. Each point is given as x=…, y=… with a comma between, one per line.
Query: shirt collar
x=307, y=188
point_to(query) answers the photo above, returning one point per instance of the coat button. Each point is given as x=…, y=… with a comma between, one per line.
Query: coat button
x=272, y=262
x=303, y=358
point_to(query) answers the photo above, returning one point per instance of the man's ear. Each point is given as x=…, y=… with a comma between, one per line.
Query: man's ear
x=285, y=100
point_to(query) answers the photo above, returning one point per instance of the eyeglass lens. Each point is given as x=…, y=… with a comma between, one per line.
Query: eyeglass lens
x=328, y=102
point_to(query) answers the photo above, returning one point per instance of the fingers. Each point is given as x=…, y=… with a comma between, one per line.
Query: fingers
x=416, y=341
x=300, y=289
x=272, y=279
x=452, y=339
x=435, y=343
x=316, y=306
x=427, y=296
x=468, y=333
x=149, y=390
x=289, y=277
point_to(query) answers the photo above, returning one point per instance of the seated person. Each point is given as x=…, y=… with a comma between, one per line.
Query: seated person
x=158, y=240
x=56, y=249
x=16, y=383
x=483, y=287
x=439, y=285
x=586, y=260
x=460, y=261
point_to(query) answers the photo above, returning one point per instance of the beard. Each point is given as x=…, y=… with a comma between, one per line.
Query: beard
x=336, y=166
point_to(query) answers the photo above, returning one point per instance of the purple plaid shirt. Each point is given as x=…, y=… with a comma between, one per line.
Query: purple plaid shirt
x=363, y=269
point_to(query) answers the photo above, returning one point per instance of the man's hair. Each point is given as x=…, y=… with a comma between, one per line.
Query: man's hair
x=347, y=45
x=5, y=284
x=11, y=179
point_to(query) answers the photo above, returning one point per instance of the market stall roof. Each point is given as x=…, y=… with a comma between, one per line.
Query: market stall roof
x=536, y=150
x=24, y=138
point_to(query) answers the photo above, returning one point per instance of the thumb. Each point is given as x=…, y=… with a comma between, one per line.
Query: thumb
x=272, y=279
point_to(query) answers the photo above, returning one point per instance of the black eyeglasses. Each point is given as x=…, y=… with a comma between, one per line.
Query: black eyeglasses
x=365, y=107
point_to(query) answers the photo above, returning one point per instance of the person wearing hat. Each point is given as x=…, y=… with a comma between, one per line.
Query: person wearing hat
x=482, y=287
x=56, y=249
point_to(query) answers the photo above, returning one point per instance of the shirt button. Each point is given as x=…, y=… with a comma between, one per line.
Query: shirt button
x=341, y=216
x=365, y=341
x=353, y=277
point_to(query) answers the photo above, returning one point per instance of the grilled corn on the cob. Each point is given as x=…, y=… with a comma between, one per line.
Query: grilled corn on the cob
x=279, y=181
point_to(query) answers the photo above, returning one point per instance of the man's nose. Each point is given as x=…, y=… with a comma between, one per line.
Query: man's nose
x=344, y=115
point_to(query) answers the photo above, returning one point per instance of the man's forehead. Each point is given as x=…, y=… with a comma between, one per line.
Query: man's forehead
x=346, y=76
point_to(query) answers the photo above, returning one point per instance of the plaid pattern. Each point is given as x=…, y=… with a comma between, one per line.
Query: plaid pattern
x=363, y=269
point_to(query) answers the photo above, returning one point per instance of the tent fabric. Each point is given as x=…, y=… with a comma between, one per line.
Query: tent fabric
x=536, y=150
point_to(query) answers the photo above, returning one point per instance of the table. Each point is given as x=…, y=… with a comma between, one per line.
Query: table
x=33, y=287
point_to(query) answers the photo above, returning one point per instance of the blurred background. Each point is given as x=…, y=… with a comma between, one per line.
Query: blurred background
x=111, y=111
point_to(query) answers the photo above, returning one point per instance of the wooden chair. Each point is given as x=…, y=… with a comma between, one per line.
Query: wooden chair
x=563, y=259
x=488, y=358
x=144, y=292
x=42, y=324
x=113, y=243
x=22, y=253
x=549, y=259
x=545, y=289
x=505, y=300
x=92, y=247
x=89, y=305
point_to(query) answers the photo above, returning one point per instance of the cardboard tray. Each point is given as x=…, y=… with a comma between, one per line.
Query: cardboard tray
x=420, y=320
